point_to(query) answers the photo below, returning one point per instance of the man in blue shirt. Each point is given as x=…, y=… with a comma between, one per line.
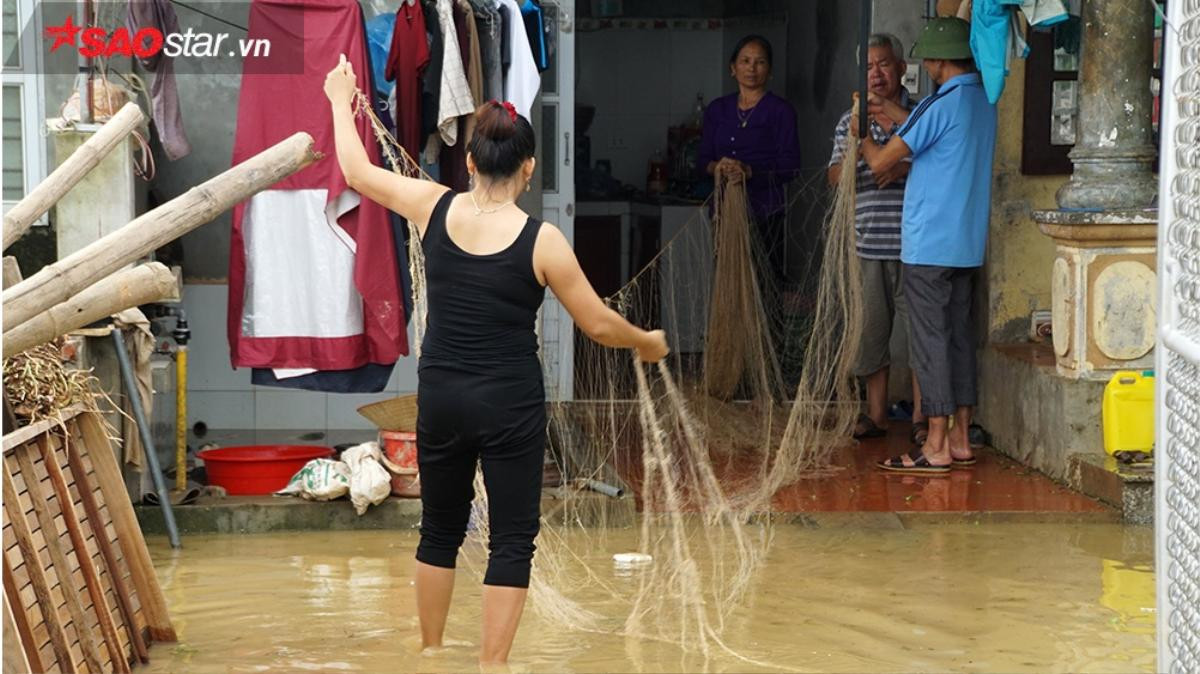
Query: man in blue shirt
x=951, y=138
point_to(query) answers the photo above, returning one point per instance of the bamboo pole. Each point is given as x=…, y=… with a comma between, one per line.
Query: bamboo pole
x=151, y=282
x=21, y=217
x=58, y=282
x=12, y=271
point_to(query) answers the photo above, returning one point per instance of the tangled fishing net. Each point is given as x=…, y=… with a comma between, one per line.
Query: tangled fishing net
x=39, y=385
x=752, y=398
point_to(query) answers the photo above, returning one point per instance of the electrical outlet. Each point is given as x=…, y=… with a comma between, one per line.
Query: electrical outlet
x=617, y=143
x=912, y=77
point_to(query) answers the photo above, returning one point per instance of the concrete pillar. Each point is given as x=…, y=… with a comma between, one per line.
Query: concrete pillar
x=1103, y=281
x=1114, y=152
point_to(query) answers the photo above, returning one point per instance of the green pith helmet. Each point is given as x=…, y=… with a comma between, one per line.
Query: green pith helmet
x=945, y=37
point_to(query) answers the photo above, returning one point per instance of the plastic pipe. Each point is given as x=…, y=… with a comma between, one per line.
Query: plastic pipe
x=139, y=415
x=181, y=418
x=604, y=488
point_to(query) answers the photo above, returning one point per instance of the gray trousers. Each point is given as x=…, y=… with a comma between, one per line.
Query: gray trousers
x=941, y=342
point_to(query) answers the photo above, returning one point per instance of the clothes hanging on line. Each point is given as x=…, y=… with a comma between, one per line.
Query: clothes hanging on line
x=454, y=157
x=535, y=26
x=407, y=61
x=455, y=100
x=311, y=224
x=164, y=95
x=997, y=35
x=522, y=80
x=489, y=28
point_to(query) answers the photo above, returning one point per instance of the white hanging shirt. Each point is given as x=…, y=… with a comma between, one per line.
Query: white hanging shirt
x=456, y=99
x=522, y=81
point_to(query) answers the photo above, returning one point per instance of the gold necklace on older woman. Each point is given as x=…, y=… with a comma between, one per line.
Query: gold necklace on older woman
x=745, y=118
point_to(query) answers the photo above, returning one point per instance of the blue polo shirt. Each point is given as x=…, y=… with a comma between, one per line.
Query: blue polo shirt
x=947, y=202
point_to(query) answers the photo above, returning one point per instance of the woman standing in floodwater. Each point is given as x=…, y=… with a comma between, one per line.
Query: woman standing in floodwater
x=480, y=395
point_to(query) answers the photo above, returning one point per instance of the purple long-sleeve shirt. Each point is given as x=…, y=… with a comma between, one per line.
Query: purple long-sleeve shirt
x=767, y=142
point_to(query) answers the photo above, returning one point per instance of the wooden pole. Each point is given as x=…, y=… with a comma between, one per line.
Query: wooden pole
x=151, y=282
x=58, y=560
x=129, y=532
x=37, y=573
x=58, y=282
x=14, y=609
x=21, y=217
x=115, y=572
x=91, y=578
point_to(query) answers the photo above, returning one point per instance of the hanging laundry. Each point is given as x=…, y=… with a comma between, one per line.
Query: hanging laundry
x=454, y=157
x=506, y=33
x=521, y=81
x=455, y=100
x=164, y=95
x=997, y=35
x=1043, y=13
x=473, y=58
x=368, y=378
x=407, y=60
x=309, y=225
x=995, y=40
x=532, y=16
x=380, y=31
x=488, y=27
x=431, y=81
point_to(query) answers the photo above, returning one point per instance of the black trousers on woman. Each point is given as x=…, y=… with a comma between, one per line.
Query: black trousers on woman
x=499, y=422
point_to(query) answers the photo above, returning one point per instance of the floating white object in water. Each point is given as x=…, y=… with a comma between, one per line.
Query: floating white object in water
x=630, y=559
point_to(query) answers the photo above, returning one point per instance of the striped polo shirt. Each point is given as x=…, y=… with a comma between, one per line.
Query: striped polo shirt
x=878, y=212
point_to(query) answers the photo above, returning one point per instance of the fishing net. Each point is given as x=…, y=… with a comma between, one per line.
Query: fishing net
x=757, y=393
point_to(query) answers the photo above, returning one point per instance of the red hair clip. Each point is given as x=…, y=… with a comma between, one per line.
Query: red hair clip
x=512, y=111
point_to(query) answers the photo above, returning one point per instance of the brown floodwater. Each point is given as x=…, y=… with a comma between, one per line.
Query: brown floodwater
x=975, y=598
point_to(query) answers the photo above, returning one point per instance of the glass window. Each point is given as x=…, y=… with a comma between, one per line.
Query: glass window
x=11, y=33
x=550, y=23
x=549, y=160
x=1063, y=111
x=14, y=155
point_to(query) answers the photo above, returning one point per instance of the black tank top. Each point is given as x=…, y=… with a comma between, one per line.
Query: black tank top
x=482, y=308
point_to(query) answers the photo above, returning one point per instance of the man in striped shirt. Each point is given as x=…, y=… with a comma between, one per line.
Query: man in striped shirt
x=878, y=211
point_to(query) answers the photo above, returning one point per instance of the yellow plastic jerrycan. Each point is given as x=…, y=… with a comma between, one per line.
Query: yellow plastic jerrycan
x=1128, y=412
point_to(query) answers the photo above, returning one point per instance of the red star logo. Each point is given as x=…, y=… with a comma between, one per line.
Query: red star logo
x=64, y=34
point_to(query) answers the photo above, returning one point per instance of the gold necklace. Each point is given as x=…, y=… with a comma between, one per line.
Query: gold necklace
x=480, y=211
x=745, y=119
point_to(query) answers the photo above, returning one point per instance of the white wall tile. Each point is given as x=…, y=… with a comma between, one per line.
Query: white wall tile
x=221, y=409
x=342, y=409
x=208, y=351
x=294, y=410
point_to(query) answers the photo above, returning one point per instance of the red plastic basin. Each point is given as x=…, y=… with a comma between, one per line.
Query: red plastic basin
x=258, y=469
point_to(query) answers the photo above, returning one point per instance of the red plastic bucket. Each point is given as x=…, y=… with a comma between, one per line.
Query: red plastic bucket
x=257, y=469
x=400, y=448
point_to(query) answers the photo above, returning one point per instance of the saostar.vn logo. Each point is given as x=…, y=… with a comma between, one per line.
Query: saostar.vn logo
x=146, y=42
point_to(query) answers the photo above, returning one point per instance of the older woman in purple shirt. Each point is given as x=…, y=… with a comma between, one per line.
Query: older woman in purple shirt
x=751, y=136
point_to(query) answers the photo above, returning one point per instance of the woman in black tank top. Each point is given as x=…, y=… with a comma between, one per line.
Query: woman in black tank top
x=480, y=397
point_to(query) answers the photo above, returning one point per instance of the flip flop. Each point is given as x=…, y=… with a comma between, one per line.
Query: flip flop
x=977, y=436
x=963, y=463
x=870, y=428
x=919, y=432
x=920, y=465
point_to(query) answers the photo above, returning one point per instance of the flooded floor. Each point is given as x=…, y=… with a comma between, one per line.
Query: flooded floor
x=975, y=598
